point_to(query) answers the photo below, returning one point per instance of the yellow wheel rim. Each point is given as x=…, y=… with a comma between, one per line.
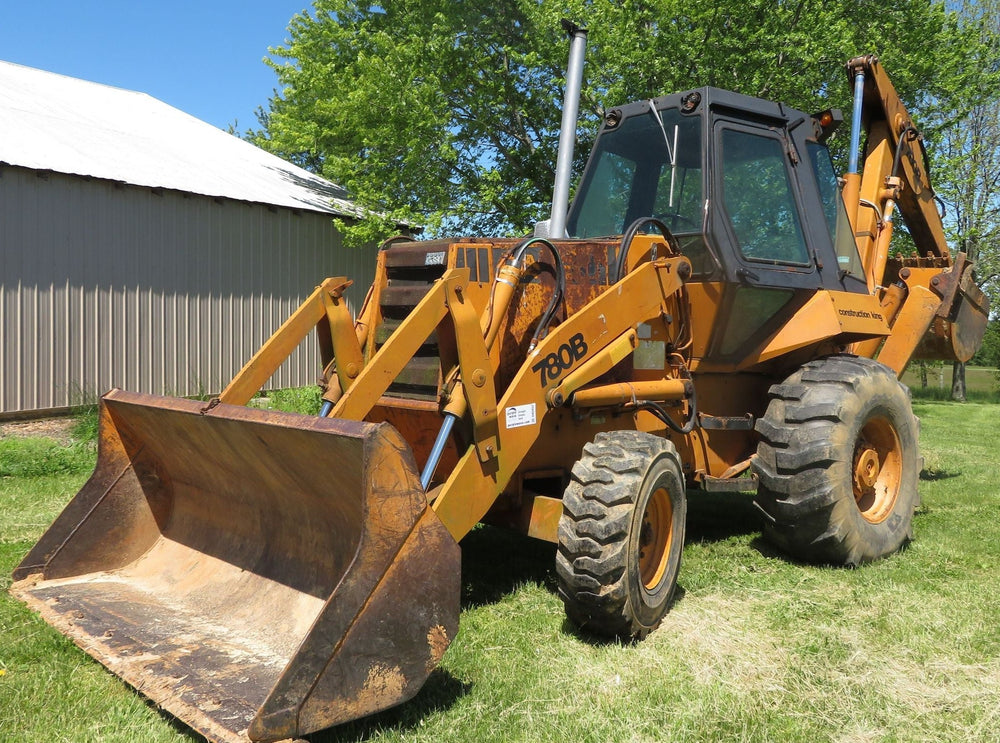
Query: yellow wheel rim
x=655, y=538
x=878, y=470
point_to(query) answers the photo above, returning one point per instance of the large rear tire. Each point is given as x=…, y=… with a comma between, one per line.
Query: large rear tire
x=838, y=462
x=621, y=534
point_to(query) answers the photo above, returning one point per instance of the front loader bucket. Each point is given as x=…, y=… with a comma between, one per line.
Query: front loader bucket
x=259, y=575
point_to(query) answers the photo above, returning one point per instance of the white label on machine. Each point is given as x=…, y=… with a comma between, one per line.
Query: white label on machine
x=520, y=415
x=434, y=259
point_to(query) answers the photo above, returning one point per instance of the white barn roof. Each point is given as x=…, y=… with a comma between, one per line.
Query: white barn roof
x=66, y=125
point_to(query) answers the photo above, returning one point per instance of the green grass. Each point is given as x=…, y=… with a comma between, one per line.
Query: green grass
x=757, y=647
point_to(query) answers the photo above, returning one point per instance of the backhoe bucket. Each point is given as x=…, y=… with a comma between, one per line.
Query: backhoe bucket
x=958, y=328
x=259, y=575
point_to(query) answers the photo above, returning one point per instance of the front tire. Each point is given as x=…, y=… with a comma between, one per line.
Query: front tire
x=838, y=462
x=621, y=534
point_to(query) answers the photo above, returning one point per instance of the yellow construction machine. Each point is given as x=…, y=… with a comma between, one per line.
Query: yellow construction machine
x=717, y=310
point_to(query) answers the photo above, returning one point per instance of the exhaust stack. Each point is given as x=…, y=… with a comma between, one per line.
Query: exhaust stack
x=567, y=130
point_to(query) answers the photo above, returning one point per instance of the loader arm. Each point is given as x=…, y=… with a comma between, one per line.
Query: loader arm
x=474, y=485
x=584, y=346
x=327, y=311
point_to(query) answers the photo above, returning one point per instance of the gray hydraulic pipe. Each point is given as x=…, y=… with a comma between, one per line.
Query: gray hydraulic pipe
x=859, y=94
x=567, y=130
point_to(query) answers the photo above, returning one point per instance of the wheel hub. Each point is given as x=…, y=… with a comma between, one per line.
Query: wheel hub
x=877, y=471
x=866, y=468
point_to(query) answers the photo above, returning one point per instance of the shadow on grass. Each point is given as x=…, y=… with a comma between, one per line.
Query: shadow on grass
x=935, y=475
x=496, y=561
x=439, y=692
x=715, y=517
x=766, y=549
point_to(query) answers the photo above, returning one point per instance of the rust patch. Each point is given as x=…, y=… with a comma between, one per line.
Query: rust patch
x=437, y=642
x=385, y=681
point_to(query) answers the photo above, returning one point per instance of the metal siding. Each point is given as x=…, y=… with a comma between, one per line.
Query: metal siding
x=104, y=285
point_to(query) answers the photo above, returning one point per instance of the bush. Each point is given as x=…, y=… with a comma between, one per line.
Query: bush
x=86, y=424
x=305, y=400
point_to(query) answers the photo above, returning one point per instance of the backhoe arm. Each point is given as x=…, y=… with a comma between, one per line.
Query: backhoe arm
x=895, y=174
x=936, y=309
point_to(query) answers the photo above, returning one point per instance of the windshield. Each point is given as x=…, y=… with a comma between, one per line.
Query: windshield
x=649, y=166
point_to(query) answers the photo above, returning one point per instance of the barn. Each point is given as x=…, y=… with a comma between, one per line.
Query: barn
x=145, y=249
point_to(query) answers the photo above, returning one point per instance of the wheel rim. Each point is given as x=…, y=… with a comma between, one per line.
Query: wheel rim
x=878, y=468
x=655, y=538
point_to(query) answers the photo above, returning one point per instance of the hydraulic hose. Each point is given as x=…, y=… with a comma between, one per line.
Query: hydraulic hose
x=518, y=260
x=660, y=412
x=629, y=236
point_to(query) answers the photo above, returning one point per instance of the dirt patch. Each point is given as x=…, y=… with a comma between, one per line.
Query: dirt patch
x=59, y=429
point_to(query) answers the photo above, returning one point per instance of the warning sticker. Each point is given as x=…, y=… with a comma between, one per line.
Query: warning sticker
x=520, y=415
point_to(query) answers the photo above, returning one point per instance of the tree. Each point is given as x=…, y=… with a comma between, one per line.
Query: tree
x=969, y=157
x=989, y=353
x=446, y=114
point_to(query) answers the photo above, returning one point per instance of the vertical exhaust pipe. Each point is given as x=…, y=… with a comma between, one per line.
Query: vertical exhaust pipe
x=567, y=131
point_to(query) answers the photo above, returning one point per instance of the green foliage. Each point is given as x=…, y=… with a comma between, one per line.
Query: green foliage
x=446, y=114
x=306, y=400
x=989, y=353
x=967, y=151
x=86, y=423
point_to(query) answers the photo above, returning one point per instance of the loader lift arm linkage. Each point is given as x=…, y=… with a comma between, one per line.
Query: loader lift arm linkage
x=603, y=333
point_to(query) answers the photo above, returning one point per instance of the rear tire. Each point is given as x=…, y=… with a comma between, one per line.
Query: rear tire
x=621, y=534
x=838, y=462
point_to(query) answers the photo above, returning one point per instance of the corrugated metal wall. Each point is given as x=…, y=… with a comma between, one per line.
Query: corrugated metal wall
x=103, y=285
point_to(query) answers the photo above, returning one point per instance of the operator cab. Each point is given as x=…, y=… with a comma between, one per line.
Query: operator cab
x=745, y=185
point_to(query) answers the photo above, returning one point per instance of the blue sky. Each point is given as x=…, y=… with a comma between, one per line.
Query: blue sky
x=203, y=57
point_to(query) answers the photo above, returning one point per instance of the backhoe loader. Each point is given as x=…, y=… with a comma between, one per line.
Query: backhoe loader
x=715, y=311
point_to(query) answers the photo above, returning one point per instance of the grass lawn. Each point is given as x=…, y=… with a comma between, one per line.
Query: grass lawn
x=982, y=384
x=757, y=648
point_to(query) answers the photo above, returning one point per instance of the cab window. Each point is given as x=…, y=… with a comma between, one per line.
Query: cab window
x=758, y=198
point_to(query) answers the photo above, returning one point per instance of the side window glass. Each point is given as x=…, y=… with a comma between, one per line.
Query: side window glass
x=757, y=194
x=848, y=259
